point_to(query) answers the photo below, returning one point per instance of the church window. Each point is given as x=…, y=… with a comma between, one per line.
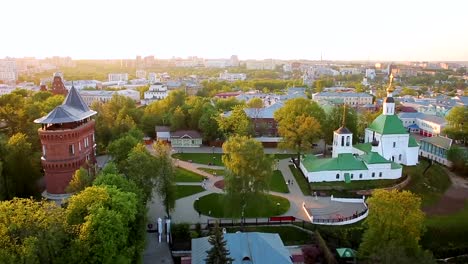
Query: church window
x=342, y=141
x=393, y=158
x=347, y=141
x=337, y=175
x=399, y=157
x=352, y=175
x=394, y=144
x=380, y=174
x=373, y=174
x=360, y=175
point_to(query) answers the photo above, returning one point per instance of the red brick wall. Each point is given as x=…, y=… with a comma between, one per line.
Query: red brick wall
x=58, y=164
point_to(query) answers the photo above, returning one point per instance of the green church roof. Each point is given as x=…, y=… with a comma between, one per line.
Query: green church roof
x=412, y=142
x=366, y=147
x=388, y=124
x=345, y=161
x=374, y=158
x=396, y=166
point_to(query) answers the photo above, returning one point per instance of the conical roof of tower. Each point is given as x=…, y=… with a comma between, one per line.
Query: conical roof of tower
x=73, y=109
x=343, y=130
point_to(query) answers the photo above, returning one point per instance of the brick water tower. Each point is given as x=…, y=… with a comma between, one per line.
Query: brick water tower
x=68, y=143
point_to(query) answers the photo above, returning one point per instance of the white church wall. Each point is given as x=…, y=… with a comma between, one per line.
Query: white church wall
x=412, y=156
x=394, y=146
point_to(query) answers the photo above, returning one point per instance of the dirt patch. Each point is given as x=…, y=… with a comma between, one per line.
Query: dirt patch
x=219, y=184
x=454, y=200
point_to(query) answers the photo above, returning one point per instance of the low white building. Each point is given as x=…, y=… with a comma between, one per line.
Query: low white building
x=232, y=77
x=90, y=96
x=157, y=91
x=186, y=138
x=370, y=74
x=424, y=124
x=349, y=98
x=117, y=77
x=436, y=148
x=141, y=74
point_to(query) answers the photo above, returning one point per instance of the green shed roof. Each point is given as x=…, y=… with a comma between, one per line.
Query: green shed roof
x=442, y=142
x=388, y=124
x=412, y=142
x=374, y=158
x=366, y=147
x=345, y=161
x=396, y=166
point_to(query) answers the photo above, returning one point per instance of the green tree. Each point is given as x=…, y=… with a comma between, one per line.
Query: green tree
x=80, y=180
x=33, y=232
x=142, y=168
x=247, y=168
x=120, y=148
x=238, y=123
x=459, y=157
x=394, y=253
x=408, y=91
x=178, y=119
x=457, y=120
x=255, y=103
x=208, y=124
x=101, y=216
x=395, y=218
x=364, y=120
x=21, y=168
x=218, y=253
x=335, y=120
x=165, y=176
x=298, y=124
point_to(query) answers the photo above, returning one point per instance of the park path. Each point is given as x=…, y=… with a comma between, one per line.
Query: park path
x=322, y=206
x=454, y=198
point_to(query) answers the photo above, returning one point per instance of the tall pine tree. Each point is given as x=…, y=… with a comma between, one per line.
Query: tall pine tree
x=218, y=254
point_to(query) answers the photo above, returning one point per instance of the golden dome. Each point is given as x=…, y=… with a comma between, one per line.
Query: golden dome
x=390, y=87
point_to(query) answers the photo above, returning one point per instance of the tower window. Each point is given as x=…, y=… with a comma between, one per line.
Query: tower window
x=342, y=141
x=347, y=141
x=79, y=146
x=43, y=150
x=71, y=149
x=373, y=174
x=337, y=175
x=394, y=144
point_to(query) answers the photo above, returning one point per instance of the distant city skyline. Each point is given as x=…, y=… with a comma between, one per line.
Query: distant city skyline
x=334, y=30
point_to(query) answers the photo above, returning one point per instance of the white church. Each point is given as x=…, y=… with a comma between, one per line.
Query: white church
x=387, y=145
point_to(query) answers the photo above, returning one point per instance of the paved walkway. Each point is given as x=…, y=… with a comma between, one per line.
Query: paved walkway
x=322, y=207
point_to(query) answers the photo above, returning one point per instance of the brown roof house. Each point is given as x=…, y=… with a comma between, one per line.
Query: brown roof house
x=186, y=139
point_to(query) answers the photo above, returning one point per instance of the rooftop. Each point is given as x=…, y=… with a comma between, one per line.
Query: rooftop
x=344, y=94
x=388, y=124
x=442, y=142
x=73, y=109
x=344, y=161
x=251, y=247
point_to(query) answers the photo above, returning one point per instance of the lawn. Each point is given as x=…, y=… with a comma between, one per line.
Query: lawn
x=303, y=184
x=277, y=182
x=258, y=206
x=187, y=190
x=289, y=235
x=429, y=187
x=214, y=172
x=206, y=158
x=201, y=158
x=183, y=175
x=447, y=235
x=353, y=185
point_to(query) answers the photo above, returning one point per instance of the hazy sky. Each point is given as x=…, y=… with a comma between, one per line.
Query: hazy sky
x=292, y=29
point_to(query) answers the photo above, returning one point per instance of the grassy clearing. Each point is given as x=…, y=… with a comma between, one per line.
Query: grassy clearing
x=258, y=206
x=214, y=172
x=289, y=235
x=277, y=182
x=303, y=184
x=446, y=235
x=183, y=175
x=187, y=190
x=429, y=187
x=353, y=185
x=201, y=158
